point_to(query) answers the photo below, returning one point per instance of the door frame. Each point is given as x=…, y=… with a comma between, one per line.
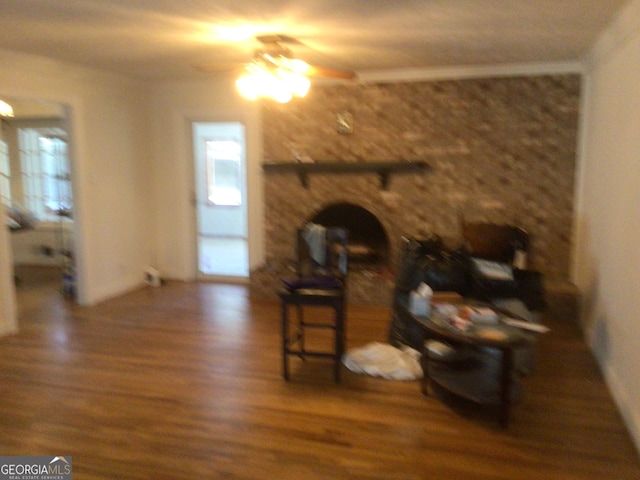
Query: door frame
x=194, y=198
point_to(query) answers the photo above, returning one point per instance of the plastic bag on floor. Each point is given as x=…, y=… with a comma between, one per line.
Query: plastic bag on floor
x=384, y=360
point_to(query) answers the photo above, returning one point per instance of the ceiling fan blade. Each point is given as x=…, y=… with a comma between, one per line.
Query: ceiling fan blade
x=273, y=49
x=277, y=38
x=323, y=72
x=275, y=44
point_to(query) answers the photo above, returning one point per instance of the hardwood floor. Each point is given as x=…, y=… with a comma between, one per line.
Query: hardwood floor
x=184, y=382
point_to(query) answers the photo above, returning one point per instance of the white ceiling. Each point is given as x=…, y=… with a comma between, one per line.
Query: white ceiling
x=158, y=39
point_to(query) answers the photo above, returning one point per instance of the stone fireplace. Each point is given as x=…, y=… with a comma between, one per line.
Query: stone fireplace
x=499, y=149
x=374, y=218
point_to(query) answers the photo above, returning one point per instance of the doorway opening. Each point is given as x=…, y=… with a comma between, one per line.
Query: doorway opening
x=221, y=200
x=36, y=191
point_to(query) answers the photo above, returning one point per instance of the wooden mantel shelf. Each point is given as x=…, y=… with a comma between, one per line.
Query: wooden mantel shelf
x=382, y=169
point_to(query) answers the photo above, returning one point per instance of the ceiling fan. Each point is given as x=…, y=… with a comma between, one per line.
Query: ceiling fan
x=275, y=46
x=275, y=72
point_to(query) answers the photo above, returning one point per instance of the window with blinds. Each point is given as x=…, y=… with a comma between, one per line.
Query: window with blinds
x=45, y=171
x=5, y=174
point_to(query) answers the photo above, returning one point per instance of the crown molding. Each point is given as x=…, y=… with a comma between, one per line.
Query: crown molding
x=453, y=73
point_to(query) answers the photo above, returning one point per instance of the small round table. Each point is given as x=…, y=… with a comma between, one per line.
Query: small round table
x=500, y=336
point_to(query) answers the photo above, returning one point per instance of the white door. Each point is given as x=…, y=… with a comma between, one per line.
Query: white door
x=221, y=200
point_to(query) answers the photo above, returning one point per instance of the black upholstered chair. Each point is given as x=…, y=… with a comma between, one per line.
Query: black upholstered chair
x=322, y=265
x=508, y=246
x=498, y=242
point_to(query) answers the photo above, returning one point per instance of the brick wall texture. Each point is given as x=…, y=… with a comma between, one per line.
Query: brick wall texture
x=501, y=149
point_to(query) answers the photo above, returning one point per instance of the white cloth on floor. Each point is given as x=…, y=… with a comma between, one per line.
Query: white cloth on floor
x=384, y=360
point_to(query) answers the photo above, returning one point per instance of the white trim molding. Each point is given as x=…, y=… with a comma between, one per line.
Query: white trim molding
x=478, y=71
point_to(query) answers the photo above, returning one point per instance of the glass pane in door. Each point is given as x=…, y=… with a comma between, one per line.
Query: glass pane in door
x=220, y=186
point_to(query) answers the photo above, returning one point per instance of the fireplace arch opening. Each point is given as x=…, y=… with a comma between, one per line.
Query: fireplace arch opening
x=368, y=240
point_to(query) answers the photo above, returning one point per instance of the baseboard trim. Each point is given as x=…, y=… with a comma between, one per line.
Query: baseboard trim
x=630, y=416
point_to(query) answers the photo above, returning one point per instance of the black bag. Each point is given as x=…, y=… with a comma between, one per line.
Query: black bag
x=410, y=273
x=429, y=261
x=446, y=272
x=406, y=333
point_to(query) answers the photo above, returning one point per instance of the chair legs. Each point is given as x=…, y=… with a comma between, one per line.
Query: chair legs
x=300, y=329
x=293, y=338
x=285, y=336
x=339, y=343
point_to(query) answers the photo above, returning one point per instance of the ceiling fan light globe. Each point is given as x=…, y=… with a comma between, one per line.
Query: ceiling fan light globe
x=281, y=96
x=297, y=84
x=298, y=66
x=248, y=87
x=5, y=109
x=272, y=78
x=302, y=85
x=277, y=89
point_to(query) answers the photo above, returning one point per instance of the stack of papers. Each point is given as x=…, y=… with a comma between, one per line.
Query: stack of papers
x=493, y=270
x=534, y=327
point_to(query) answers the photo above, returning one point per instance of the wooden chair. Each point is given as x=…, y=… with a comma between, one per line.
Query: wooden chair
x=491, y=241
x=320, y=282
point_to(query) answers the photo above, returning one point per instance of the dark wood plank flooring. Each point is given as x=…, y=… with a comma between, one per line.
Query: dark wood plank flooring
x=184, y=382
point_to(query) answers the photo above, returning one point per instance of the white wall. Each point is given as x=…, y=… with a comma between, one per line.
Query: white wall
x=109, y=152
x=175, y=106
x=8, y=313
x=607, y=263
